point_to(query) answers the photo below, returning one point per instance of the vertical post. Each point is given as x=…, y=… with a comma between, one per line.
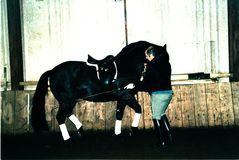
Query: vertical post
x=15, y=43
x=212, y=56
x=125, y=22
x=233, y=27
x=5, y=78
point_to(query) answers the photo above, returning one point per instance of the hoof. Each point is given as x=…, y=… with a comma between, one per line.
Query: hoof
x=161, y=144
x=119, y=137
x=68, y=142
x=133, y=132
x=80, y=132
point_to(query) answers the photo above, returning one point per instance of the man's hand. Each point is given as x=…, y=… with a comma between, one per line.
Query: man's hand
x=129, y=86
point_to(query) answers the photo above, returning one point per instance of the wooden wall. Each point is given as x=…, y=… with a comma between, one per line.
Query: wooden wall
x=195, y=105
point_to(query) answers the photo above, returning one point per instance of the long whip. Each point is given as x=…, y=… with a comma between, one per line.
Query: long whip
x=97, y=94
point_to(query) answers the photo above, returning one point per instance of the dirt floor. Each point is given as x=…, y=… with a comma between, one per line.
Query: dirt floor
x=187, y=144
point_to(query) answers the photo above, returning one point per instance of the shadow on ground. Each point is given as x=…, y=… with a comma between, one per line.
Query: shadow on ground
x=187, y=144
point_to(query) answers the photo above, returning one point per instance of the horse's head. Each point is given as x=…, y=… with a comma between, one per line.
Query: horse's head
x=106, y=68
x=162, y=52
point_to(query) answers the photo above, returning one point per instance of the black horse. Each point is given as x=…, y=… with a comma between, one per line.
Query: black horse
x=95, y=80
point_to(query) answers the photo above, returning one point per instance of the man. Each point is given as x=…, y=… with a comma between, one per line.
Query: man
x=157, y=82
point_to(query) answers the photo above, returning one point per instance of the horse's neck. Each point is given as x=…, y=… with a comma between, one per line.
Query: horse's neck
x=126, y=72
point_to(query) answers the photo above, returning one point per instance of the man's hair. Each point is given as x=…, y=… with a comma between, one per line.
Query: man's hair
x=151, y=51
x=158, y=52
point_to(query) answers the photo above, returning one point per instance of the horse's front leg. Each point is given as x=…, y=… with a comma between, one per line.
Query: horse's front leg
x=119, y=115
x=127, y=99
x=132, y=103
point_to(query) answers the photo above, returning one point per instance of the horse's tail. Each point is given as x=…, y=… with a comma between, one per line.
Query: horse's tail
x=38, y=116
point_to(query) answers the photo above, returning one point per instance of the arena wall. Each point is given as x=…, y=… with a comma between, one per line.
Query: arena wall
x=193, y=105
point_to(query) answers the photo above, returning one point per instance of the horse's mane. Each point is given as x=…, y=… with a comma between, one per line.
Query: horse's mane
x=130, y=49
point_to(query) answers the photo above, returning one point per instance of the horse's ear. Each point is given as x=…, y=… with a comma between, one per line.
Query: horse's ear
x=165, y=47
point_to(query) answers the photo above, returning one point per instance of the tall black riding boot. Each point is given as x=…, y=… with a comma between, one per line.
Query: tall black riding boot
x=158, y=132
x=165, y=128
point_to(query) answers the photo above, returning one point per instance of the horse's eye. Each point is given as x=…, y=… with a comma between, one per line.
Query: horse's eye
x=106, y=69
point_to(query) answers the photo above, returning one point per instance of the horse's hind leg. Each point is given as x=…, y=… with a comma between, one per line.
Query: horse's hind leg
x=78, y=124
x=65, y=110
x=61, y=118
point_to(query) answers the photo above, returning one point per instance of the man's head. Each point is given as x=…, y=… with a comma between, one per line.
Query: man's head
x=150, y=53
x=156, y=51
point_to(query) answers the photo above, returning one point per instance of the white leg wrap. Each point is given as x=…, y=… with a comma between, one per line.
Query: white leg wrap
x=118, y=127
x=75, y=120
x=136, y=119
x=64, y=132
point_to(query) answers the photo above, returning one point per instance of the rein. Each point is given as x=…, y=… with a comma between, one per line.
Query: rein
x=101, y=93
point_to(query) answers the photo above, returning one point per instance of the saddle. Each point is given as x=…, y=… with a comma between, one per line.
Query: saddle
x=103, y=68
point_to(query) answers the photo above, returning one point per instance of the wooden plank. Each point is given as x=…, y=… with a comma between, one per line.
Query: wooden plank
x=85, y=111
x=54, y=123
x=235, y=98
x=201, y=114
x=147, y=114
x=49, y=110
x=8, y=109
x=99, y=116
x=213, y=106
x=31, y=94
x=226, y=104
x=140, y=99
x=187, y=106
x=110, y=115
x=132, y=112
x=174, y=110
x=126, y=121
x=21, y=112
